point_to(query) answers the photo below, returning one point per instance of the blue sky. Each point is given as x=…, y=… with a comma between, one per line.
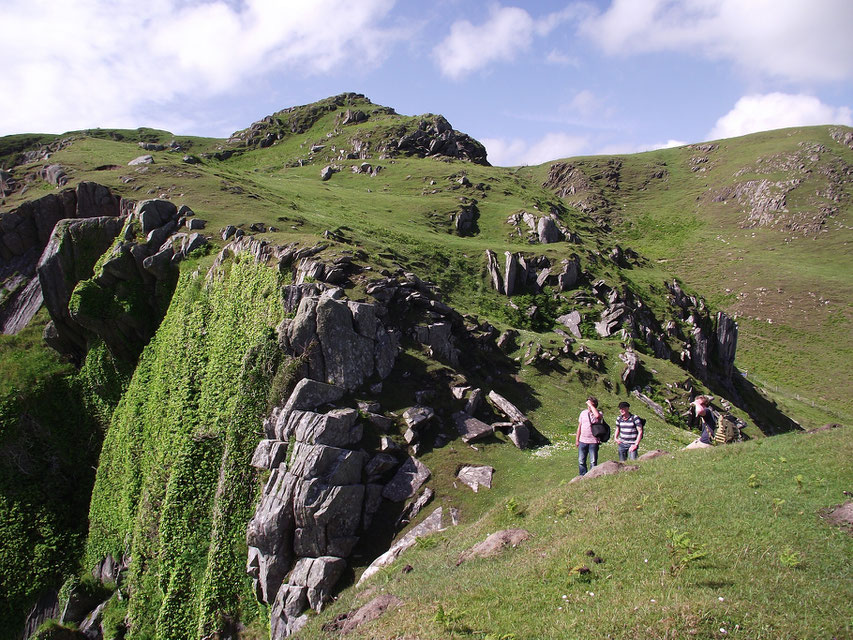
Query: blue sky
x=534, y=81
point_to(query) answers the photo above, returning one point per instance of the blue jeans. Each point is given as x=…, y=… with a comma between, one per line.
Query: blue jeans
x=625, y=454
x=585, y=449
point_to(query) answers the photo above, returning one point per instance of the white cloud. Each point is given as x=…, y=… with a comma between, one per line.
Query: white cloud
x=558, y=57
x=506, y=32
x=83, y=63
x=775, y=111
x=552, y=146
x=793, y=39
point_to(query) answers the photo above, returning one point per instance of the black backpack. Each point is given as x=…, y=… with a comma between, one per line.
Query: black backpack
x=600, y=430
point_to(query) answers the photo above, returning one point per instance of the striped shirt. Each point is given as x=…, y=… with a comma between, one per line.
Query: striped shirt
x=628, y=428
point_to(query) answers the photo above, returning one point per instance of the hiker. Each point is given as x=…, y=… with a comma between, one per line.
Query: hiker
x=584, y=440
x=700, y=410
x=629, y=432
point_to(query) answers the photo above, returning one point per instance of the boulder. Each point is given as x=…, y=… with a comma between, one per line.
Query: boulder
x=606, y=469
x=548, y=231
x=470, y=428
x=141, y=160
x=154, y=213
x=495, y=544
x=348, y=622
x=507, y=408
x=572, y=321
x=476, y=476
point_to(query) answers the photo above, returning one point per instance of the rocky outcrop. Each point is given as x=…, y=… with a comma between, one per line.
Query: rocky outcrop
x=312, y=511
x=433, y=136
x=124, y=301
x=343, y=342
x=71, y=254
x=24, y=234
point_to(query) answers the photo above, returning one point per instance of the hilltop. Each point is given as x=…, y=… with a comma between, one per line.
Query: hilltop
x=196, y=284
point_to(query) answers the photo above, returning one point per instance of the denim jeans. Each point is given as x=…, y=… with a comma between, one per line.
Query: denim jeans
x=583, y=450
x=625, y=454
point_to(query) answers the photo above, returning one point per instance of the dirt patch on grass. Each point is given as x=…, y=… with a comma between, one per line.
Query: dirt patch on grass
x=840, y=516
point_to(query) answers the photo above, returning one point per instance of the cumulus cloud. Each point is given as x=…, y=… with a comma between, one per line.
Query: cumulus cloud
x=510, y=153
x=791, y=39
x=506, y=32
x=775, y=111
x=81, y=63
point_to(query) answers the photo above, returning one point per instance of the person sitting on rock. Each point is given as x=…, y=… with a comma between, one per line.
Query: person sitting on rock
x=629, y=432
x=700, y=410
x=584, y=440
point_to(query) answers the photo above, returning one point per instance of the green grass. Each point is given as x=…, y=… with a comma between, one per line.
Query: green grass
x=773, y=567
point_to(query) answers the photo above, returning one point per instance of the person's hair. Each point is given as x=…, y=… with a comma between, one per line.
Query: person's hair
x=624, y=405
x=593, y=400
x=703, y=400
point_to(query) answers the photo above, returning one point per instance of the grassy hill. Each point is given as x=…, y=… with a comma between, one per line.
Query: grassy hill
x=758, y=226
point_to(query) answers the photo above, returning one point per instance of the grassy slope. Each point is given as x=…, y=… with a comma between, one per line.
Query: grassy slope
x=398, y=222
x=774, y=281
x=773, y=569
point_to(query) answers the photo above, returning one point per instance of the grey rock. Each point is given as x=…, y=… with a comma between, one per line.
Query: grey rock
x=154, y=213
x=413, y=508
x=416, y=418
x=470, y=428
x=409, y=478
x=140, y=160
x=380, y=466
x=507, y=408
x=54, y=174
x=495, y=544
x=269, y=454
x=228, y=231
x=606, y=469
x=335, y=428
x=364, y=614
x=194, y=224
x=494, y=271
x=519, y=435
x=475, y=399
x=432, y=524
x=333, y=465
x=382, y=423
x=656, y=453
x=548, y=231
x=193, y=242
x=309, y=394
x=572, y=321
x=326, y=172
x=476, y=476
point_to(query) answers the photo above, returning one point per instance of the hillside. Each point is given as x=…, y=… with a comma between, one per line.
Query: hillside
x=190, y=292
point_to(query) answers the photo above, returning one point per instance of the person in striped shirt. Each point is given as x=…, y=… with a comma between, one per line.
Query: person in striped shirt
x=629, y=432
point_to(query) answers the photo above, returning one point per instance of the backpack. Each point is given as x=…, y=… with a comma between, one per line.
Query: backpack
x=727, y=430
x=600, y=430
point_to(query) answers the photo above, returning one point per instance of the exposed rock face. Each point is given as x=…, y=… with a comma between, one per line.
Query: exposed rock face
x=433, y=136
x=123, y=302
x=347, y=622
x=71, y=253
x=345, y=343
x=310, y=514
x=24, y=234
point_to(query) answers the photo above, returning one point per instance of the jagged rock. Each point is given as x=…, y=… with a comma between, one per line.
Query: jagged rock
x=382, y=423
x=572, y=321
x=326, y=172
x=476, y=476
x=495, y=544
x=411, y=511
x=90, y=627
x=494, y=271
x=191, y=243
x=432, y=524
x=632, y=367
x=69, y=257
x=611, y=319
x=54, y=174
x=417, y=417
x=606, y=469
x=196, y=223
x=140, y=160
x=348, y=622
x=269, y=454
x=465, y=219
x=506, y=341
x=519, y=435
x=337, y=428
x=228, y=231
x=155, y=213
x=511, y=272
x=507, y=408
x=470, y=429
x=726, y=344
x=310, y=394
x=651, y=404
x=548, y=231
x=475, y=399
x=309, y=585
x=379, y=466
x=409, y=478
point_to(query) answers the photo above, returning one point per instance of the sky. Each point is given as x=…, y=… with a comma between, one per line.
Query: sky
x=533, y=81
